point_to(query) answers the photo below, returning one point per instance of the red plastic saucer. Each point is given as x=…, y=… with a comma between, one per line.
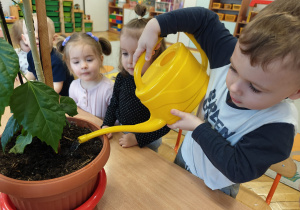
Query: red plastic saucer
x=6, y=204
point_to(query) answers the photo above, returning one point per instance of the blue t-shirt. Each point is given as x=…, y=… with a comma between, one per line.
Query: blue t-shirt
x=60, y=70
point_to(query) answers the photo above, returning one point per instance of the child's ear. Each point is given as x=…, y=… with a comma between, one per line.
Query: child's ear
x=54, y=37
x=101, y=58
x=24, y=38
x=295, y=96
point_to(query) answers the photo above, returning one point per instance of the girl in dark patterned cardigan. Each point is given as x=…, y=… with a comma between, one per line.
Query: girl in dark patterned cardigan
x=124, y=105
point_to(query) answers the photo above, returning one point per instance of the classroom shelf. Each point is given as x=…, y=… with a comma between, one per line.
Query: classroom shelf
x=115, y=16
x=232, y=12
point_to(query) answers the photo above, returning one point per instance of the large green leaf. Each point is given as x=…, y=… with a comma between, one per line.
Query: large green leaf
x=9, y=67
x=22, y=141
x=36, y=107
x=12, y=126
x=68, y=105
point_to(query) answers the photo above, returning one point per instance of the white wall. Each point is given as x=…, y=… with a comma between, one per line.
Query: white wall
x=5, y=6
x=98, y=9
x=80, y=2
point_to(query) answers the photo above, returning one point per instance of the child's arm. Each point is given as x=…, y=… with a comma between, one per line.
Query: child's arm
x=30, y=76
x=146, y=138
x=57, y=86
x=147, y=40
x=128, y=140
x=210, y=33
x=249, y=158
x=188, y=121
x=110, y=115
x=109, y=135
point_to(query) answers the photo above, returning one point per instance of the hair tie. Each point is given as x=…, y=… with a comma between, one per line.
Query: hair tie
x=94, y=37
x=139, y=17
x=66, y=40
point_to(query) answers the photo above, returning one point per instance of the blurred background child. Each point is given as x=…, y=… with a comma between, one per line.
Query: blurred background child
x=21, y=48
x=61, y=75
x=83, y=54
x=124, y=105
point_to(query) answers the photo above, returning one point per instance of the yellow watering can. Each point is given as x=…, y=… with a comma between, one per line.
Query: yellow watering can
x=175, y=80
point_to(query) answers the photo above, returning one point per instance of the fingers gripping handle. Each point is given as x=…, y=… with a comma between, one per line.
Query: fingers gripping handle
x=138, y=71
x=204, y=59
x=139, y=66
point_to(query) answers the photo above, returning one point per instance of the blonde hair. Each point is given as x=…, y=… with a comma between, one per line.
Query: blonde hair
x=100, y=47
x=16, y=32
x=274, y=34
x=50, y=24
x=134, y=28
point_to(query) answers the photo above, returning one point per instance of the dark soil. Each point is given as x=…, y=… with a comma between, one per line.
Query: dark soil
x=40, y=162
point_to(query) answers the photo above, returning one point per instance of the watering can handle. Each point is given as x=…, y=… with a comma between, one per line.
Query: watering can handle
x=141, y=61
x=204, y=59
x=139, y=66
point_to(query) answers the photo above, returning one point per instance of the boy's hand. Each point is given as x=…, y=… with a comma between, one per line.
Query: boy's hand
x=128, y=140
x=109, y=135
x=147, y=40
x=187, y=122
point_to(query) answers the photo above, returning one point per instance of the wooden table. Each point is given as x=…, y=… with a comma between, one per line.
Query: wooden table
x=138, y=178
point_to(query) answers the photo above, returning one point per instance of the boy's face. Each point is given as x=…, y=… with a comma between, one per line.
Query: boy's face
x=254, y=88
x=25, y=36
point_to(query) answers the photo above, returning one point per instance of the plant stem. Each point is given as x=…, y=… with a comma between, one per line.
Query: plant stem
x=6, y=34
x=45, y=49
x=31, y=35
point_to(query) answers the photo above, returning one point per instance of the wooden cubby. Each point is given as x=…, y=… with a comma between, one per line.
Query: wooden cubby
x=242, y=18
x=14, y=11
x=236, y=11
x=115, y=10
x=61, y=21
x=66, y=19
x=78, y=14
x=247, y=14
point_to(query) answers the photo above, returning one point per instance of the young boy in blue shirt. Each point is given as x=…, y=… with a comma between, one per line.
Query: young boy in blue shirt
x=248, y=119
x=61, y=75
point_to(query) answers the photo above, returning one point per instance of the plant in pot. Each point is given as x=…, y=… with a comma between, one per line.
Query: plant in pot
x=39, y=118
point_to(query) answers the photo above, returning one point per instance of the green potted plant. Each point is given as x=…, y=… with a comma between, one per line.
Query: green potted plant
x=38, y=111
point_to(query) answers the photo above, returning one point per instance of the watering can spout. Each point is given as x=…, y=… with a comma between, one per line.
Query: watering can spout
x=150, y=125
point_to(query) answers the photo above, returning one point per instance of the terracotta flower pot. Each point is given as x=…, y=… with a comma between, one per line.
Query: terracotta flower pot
x=67, y=192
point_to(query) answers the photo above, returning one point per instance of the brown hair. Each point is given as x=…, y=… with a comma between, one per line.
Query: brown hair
x=274, y=34
x=16, y=32
x=134, y=28
x=101, y=47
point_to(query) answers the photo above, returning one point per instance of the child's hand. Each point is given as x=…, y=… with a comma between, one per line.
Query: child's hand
x=187, y=122
x=128, y=140
x=147, y=40
x=109, y=135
